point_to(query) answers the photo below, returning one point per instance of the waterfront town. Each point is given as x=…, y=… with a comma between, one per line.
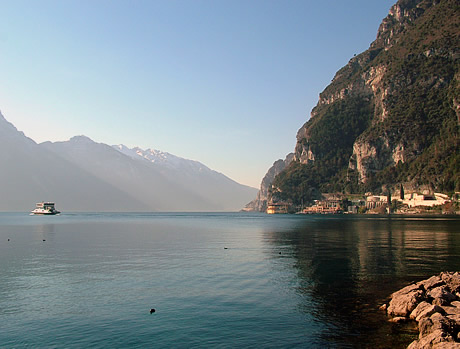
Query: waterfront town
x=413, y=203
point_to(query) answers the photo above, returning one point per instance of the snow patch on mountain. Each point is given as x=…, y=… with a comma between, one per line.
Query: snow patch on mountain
x=163, y=159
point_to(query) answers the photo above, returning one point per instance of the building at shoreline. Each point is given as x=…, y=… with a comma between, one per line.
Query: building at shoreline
x=435, y=199
x=338, y=203
x=331, y=205
x=277, y=208
x=376, y=201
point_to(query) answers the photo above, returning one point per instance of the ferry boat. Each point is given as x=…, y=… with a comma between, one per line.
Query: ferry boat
x=42, y=208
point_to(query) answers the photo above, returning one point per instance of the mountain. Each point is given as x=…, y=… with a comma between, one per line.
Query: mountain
x=390, y=116
x=214, y=187
x=83, y=175
x=30, y=174
x=163, y=159
x=260, y=203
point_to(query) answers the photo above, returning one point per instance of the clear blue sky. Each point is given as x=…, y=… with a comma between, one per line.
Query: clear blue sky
x=224, y=82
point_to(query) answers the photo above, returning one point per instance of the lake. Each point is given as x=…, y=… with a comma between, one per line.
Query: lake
x=215, y=280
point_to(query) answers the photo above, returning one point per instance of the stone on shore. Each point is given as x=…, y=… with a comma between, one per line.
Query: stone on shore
x=432, y=282
x=405, y=300
x=441, y=296
x=435, y=305
x=452, y=280
x=434, y=340
x=421, y=307
x=399, y=319
x=430, y=310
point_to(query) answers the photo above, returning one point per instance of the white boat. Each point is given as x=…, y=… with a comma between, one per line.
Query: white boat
x=42, y=208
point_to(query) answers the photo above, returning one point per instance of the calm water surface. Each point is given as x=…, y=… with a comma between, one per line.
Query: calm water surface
x=215, y=280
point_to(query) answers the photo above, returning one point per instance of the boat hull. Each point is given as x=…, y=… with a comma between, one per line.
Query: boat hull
x=44, y=212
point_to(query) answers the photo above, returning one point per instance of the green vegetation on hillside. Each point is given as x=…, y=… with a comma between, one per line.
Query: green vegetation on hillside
x=331, y=140
x=421, y=61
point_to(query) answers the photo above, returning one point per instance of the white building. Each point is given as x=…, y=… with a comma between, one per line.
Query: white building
x=426, y=200
x=375, y=201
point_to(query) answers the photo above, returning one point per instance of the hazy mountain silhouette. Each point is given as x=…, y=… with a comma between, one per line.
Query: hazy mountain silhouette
x=82, y=175
x=197, y=178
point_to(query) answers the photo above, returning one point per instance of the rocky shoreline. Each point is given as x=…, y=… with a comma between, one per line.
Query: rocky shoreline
x=435, y=305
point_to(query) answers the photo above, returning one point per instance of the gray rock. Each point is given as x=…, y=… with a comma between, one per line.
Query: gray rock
x=452, y=280
x=449, y=325
x=441, y=295
x=405, y=301
x=432, y=282
x=422, y=306
x=438, y=322
x=428, y=311
x=406, y=290
x=430, y=340
x=451, y=310
x=447, y=345
x=399, y=319
x=456, y=317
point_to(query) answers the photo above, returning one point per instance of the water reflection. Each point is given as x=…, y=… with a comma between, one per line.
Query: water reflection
x=45, y=231
x=349, y=266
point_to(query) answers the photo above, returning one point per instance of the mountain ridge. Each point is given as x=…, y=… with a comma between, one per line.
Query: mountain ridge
x=31, y=175
x=389, y=117
x=83, y=175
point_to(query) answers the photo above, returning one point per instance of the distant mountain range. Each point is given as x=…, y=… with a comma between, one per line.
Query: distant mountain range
x=82, y=175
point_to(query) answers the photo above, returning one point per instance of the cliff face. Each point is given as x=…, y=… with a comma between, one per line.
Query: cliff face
x=414, y=92
x=263, y=196
x=391, y=115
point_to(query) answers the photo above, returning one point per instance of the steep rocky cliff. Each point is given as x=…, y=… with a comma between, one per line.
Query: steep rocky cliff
x=390, y=116
x=263, y=196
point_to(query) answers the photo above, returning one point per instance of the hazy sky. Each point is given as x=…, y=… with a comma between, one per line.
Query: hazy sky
x=224, y=82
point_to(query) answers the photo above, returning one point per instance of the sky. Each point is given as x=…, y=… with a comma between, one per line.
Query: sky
x=224, y=82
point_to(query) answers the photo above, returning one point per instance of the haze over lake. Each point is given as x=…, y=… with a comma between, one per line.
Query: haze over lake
x=215, y=280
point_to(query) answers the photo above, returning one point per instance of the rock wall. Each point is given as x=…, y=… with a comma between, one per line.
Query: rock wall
x=372, y=79
x=259, y=204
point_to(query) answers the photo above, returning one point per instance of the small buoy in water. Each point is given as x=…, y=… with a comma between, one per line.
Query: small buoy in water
x=8, y=239
x=152, y=311
x=44, y=240
x=225, y=248
x=280, y=252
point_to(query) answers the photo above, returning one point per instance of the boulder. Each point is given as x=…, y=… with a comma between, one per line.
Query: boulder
x=399, y=319
x=435, y=304
x=432, y=282
x=455, y=317
x=405, y=301
x=407, y=289
x=450, y=310
x=447, y=345
x=441, y=295
x=428, y=311
x=437, y=322
x=452, y=280
x=421, y=307
x=431, y=340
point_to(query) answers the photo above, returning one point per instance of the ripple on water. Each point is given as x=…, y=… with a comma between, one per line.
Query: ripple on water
x=95, y=279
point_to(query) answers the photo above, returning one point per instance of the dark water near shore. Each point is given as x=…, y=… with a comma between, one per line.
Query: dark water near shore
x=215, y=280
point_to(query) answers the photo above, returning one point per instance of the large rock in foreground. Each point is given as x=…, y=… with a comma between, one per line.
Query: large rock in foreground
x=435, y=305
